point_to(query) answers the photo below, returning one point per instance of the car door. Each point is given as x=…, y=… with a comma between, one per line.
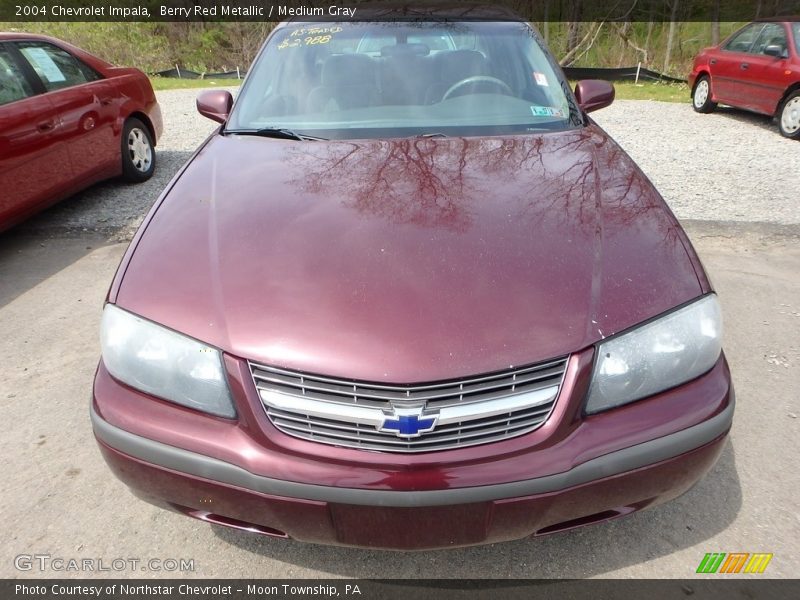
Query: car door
x=34, y=166
x=765, y=79
x=726, y=65
x=85, y=104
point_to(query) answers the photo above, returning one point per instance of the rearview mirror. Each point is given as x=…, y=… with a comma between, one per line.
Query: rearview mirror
x=594, y=94
x=215, y=104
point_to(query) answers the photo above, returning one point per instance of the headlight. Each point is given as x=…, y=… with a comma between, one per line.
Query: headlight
x=163, y=363
x=657, y=356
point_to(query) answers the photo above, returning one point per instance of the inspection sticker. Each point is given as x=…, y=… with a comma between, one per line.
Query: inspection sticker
x=540, y=79
x=545, y=111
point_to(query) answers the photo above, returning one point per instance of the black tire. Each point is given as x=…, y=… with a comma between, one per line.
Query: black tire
x=701, y=95
x=138, y=152
x=789, y=116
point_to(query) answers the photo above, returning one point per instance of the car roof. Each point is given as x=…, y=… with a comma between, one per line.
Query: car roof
x=8, y=36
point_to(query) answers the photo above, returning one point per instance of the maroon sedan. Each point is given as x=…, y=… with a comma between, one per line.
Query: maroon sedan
x=758, y=69
x=412, y=299
x=67, y=120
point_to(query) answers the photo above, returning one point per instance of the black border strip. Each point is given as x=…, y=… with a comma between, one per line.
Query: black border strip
x=18, y=11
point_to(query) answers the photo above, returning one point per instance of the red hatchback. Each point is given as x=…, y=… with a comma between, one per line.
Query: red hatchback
x=67, y=120
x=413, y=298
x=758, y=69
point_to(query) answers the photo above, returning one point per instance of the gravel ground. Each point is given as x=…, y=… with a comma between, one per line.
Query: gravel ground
x=730, y=165
x=696, y=161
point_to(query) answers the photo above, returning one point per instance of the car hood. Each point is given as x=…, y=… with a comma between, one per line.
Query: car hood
x=408, y=260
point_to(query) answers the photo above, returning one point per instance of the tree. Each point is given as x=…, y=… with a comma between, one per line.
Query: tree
x=715, y=23
x=671, y=35
x=574, y=25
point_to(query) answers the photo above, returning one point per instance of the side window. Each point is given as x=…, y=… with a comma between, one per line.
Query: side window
x=742, y=41
x=56, y=68
x=796, y=32
x=13, y=85
x=773, y=34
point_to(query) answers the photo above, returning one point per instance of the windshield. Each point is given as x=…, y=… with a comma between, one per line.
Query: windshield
x=394, y=79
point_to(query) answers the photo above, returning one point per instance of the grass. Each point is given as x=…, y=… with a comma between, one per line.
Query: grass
x=168, y=83
x=663, y=92
x=649, y=90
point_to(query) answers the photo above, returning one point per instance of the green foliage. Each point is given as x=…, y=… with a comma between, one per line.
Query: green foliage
x=212, y=46
x=663, y=92
x=170, y=83
x=624, y=45
x=130, y=44
x=152, y=47
x=649, y=90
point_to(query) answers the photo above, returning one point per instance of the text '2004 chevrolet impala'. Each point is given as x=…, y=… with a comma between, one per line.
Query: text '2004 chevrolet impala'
x=409, y=295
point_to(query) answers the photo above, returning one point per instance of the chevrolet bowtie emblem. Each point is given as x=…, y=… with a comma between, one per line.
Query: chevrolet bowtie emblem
x=408, y=422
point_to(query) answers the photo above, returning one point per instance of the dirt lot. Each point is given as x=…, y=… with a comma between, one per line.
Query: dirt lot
x=60, y=499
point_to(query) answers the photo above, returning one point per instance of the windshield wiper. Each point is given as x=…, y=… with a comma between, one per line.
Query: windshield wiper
x=275, y=132
x=430, y=135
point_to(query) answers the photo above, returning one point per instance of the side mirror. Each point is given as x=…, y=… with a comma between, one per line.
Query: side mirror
x=215, y=104
x=594, y=94
x=776, y=51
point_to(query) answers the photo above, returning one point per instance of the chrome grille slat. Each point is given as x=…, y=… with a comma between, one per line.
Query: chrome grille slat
x=411, y=444
x=365, y=400
x=361, y=401
x=532, y=416
x=421, y=441
x=256, y=369
x=407, y=447
x=517, y=401
x=346, y=393
x=465, y=398
x=416, y=397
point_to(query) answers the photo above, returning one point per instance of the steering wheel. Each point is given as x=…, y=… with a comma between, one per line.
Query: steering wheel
x=478, y=79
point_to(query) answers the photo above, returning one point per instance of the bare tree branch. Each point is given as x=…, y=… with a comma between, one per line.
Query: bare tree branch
x=570, y=57
x=625, y=36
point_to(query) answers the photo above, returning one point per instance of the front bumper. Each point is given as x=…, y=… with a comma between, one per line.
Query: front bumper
x=617, y=462
x=690, y=80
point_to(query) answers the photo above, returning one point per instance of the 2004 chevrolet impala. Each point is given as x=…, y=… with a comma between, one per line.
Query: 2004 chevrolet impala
x=409, y=295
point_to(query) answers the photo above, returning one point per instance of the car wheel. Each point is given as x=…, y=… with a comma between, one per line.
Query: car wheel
x=789, y=116
x=701, y=95
x=138, y=152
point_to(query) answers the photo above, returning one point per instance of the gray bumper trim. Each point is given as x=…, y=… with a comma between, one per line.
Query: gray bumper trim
x=607, y=465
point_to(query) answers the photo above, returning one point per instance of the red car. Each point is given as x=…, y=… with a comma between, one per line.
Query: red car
x=410, y=300
x=67, y=120
x=757, y=69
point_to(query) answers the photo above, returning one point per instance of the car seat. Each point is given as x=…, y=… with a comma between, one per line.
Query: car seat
x=405, y=74
x=348, y=81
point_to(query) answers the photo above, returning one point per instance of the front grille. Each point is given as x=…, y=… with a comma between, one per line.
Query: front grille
x=466, y=412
